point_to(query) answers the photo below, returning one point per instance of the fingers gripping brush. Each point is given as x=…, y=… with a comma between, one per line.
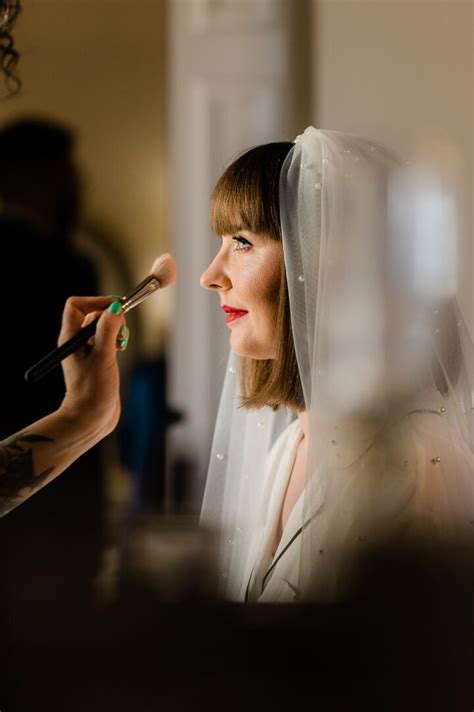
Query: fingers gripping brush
x=163, y=273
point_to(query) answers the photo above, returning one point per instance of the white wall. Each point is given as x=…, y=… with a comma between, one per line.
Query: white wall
x=236, y=80
x=401, y=71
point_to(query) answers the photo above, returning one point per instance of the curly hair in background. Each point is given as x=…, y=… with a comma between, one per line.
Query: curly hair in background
x=9, y=56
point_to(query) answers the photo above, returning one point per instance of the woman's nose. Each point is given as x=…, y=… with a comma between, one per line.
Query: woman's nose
x=215, y=277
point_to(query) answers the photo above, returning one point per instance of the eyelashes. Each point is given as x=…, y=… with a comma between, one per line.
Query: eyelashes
x=240, y=243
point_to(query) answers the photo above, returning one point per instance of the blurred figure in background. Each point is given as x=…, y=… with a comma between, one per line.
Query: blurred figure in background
x=58, y=534
x=39, y=212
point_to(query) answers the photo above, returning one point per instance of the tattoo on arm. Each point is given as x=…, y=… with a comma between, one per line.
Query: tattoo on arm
x=17, y=475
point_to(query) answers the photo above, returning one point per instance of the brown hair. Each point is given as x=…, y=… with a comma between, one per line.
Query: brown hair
x=246, y=197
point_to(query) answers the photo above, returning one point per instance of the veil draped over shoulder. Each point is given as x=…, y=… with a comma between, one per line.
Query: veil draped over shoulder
x=383, y=356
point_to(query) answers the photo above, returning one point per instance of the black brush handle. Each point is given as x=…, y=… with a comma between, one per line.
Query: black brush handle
x=54, y=358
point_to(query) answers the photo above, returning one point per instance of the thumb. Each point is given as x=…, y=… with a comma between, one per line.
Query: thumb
x=108, y=328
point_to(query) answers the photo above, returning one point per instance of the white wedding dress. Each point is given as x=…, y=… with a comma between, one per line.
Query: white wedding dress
x=423, y=509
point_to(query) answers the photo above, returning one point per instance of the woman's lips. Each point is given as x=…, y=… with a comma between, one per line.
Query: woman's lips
x=233, y=314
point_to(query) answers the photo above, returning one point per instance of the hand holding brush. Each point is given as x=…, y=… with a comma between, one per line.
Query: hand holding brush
x=163, y=273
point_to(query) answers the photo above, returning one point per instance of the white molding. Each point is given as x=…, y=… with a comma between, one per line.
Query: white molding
x=229, y=90
x=228, y=15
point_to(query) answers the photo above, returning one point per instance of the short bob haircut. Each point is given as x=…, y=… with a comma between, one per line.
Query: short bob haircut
x=246, y=197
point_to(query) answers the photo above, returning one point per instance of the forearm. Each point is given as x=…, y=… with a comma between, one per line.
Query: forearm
x=33, y=457
x=90, y=409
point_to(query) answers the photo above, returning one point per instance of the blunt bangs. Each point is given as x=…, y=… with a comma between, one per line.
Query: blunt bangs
x=246, y=197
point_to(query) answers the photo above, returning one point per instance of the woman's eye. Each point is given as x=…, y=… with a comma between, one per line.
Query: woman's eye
x=240, y=243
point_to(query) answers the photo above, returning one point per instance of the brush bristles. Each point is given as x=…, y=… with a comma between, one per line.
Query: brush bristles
x=164, y=270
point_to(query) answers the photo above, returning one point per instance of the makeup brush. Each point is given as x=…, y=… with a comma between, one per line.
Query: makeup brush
x=163, y=273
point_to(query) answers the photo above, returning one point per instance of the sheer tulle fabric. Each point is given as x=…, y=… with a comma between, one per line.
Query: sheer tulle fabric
x=383, y=357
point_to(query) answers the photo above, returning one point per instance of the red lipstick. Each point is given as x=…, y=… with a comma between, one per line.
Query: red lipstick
x=233, y=314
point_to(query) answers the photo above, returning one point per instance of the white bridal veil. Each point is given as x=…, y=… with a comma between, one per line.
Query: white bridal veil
x=383, y=356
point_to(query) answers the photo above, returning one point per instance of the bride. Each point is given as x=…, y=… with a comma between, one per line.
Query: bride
x=343, y=422
x=344, y=418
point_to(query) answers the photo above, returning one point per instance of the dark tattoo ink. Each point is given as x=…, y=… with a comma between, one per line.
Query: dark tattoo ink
x=17, y=475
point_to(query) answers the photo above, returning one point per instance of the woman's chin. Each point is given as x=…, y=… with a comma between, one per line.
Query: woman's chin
x=256, y=351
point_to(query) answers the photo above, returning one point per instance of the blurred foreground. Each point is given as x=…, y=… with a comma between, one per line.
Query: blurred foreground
x=404, y=641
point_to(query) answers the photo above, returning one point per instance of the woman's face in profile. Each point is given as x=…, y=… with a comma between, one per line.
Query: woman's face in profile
x=246, y=274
